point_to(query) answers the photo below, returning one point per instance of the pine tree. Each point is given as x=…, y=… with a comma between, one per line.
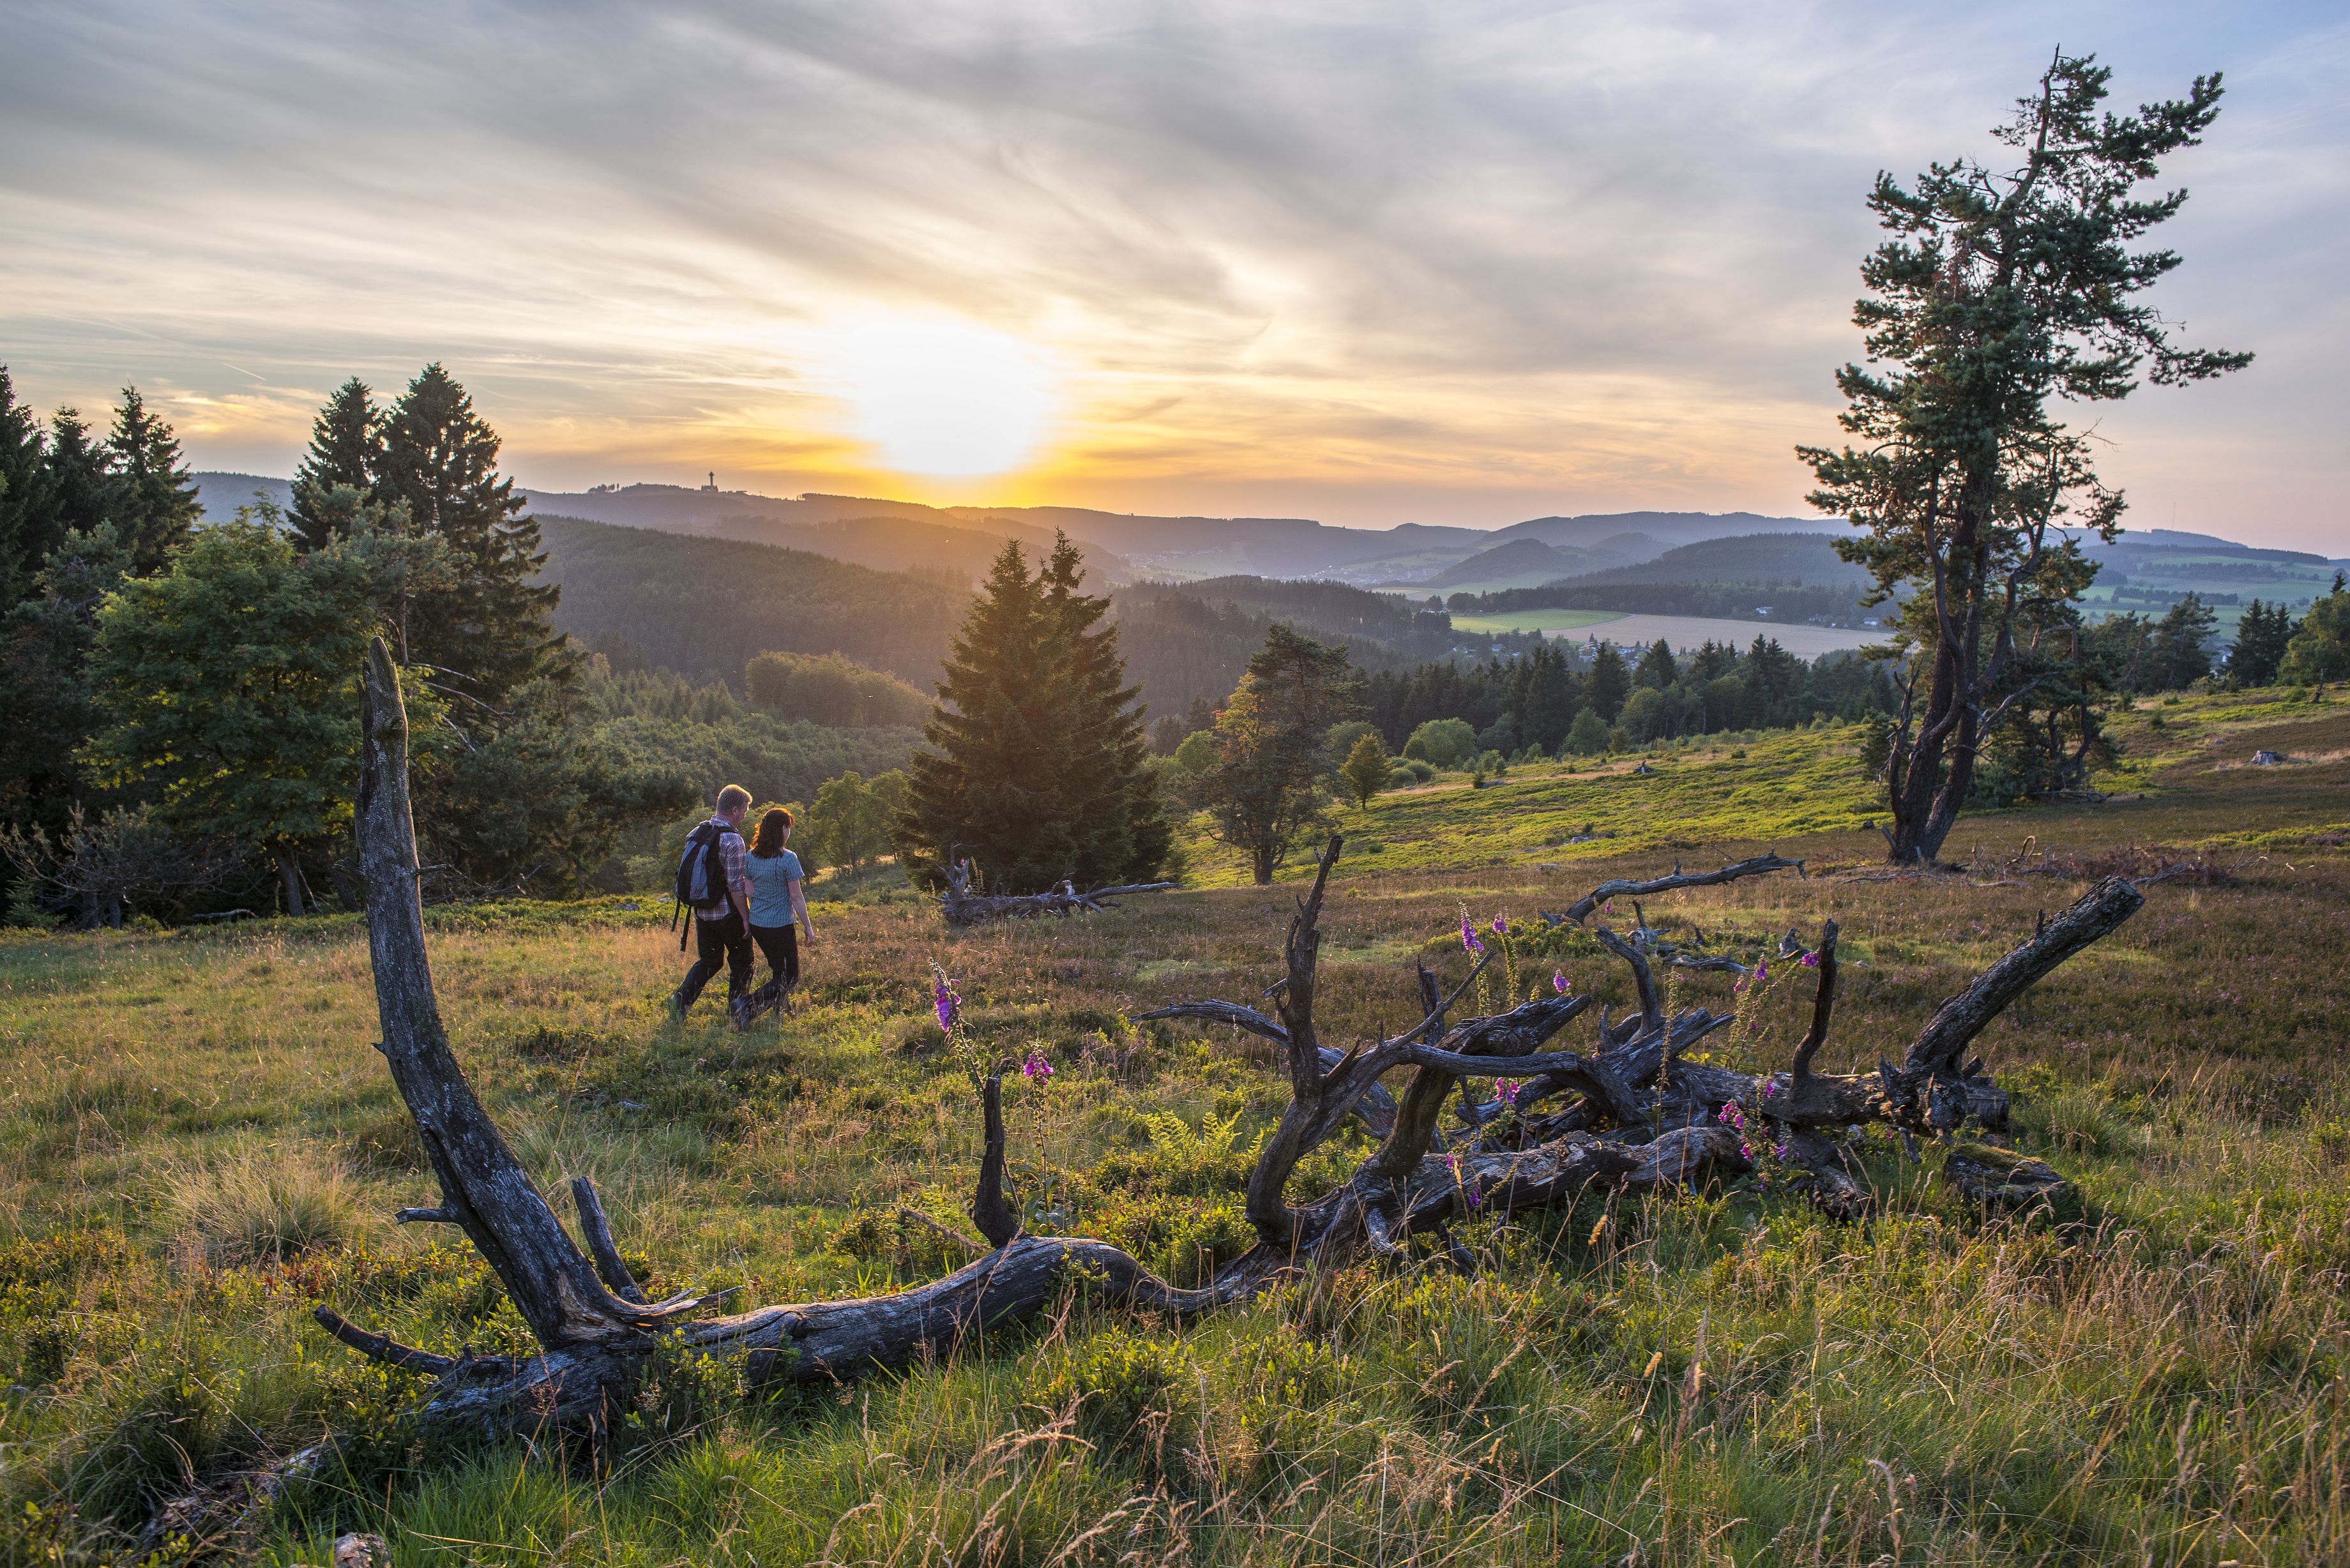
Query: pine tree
x=2182, y=643
x=29, y=529
x=1998, y=293
x=1656, y=667
x=78, y=476
x=346, y=448
x=1033, y=761
x=1366, y=768
x=1270, y=772
x=1610, y=683
x=154, y=504
x=490, y=629
x=2260, y=638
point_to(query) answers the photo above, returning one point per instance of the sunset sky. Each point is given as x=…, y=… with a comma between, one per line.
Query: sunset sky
x=1373, y=264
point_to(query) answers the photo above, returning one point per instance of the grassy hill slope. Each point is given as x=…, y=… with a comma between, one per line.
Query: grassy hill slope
x=197, y=1143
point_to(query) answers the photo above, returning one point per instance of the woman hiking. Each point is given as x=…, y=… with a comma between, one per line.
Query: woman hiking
x=778, y=899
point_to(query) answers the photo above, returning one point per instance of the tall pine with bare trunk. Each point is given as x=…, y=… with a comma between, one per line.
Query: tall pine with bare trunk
x=2000, y=291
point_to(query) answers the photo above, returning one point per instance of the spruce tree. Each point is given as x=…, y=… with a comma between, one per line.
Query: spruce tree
x=2260, y=638
x=1034, y=763
x=78, y=476
x=1121, y=830
x=490, y=630
x=346, y=449
x=29, y=529
x=154, y=505
x=1610, y=683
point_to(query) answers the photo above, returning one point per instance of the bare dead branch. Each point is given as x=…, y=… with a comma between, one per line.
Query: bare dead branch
x=1620, y=887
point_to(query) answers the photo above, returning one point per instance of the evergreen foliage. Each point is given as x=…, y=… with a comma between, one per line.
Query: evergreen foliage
x=28, y=526
x=1034, y=761
x=46, y=706
x=2320, y=649
x=230, y=686
x=830, y=689
x=1270, y=774
x=347, y=452
x=1997, y=293
x=2261, y=636
x=154, y=504
x=706, y=607
x=1366, y=768
x=489, y=629
x=1610, y=683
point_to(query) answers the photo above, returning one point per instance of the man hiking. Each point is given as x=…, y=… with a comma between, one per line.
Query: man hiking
x=710, y=880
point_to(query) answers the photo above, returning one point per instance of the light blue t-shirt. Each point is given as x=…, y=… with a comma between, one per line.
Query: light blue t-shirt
x=771, y=887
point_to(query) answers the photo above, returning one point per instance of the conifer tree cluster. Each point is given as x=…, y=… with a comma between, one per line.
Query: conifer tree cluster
x=426, y=467
x=1035, y=763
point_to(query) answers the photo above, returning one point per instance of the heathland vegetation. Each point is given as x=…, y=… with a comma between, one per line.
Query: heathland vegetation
x=2071, y=1293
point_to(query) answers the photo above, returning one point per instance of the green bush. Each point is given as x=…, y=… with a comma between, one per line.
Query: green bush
x=1134, y=1397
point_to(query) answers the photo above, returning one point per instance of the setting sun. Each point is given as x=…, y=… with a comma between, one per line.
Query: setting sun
x=942, y=396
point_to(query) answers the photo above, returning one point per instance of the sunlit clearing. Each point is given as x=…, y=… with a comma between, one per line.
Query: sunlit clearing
x=943, y=398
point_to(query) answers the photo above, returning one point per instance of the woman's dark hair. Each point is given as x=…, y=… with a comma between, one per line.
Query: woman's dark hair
x=771, y=828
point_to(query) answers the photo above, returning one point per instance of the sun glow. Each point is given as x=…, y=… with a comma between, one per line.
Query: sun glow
x=942, y=396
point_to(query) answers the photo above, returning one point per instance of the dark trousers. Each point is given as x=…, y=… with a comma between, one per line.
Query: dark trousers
x=782, y=946
x=718, y=944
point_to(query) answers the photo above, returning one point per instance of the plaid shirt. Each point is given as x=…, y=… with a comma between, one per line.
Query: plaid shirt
x=731, y=852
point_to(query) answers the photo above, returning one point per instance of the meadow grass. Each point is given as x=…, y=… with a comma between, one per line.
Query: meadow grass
x=197, y=1143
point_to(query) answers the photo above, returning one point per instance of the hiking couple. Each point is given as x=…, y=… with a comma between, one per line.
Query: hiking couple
x=741, y=896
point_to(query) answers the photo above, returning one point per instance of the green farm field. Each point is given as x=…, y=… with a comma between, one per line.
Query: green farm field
x=198, y=1144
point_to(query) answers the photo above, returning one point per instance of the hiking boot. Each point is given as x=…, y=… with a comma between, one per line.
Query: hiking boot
x=675, y=1006
x=739, y=1012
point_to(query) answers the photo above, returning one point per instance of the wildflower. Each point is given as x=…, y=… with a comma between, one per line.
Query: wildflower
x=1810, y=961
x=1469, y=936
x=1035, y=1067
x=943, y=1000
x=1779, y=1152
x=1762, y=970
x=1476, y=1194
x=1559, y=982
x=1507, y=1090
x=1770, y=1087
x=1501, y=925
x=1608, y=907
x=1746, y=1152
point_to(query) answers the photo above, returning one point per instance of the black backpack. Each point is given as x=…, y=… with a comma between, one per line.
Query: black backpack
x=701, y=873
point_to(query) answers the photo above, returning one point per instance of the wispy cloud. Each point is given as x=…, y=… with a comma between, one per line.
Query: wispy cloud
x=1372, y=263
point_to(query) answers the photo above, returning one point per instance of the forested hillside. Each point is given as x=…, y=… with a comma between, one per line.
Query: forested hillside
x=1190, y=641
x=704, y=606
x=1798, y=576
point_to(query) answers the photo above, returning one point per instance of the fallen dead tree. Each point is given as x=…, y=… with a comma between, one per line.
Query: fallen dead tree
x=1632, y=1117
x=964, y=906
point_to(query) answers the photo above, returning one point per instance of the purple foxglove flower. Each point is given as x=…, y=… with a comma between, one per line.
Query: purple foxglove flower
x=1507, y=1089
x=1501, y=925
x=945, y=1003
x=1559, y=982
x=1770, y=1087
x=1780, y=1152
x=1811, y=961
x=1035, y=1067
x=1763, y=970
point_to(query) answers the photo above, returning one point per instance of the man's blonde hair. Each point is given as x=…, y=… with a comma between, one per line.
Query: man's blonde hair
x=733, y=798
